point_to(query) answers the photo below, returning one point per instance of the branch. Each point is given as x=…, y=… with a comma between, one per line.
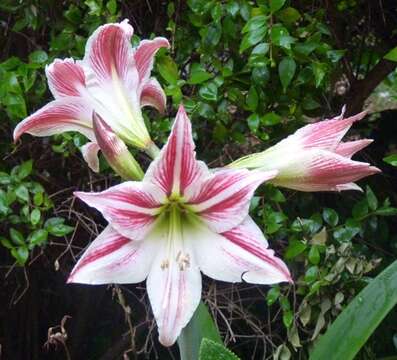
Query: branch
x=361, y=89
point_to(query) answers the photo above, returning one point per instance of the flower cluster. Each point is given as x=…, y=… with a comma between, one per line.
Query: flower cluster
x=180, y=218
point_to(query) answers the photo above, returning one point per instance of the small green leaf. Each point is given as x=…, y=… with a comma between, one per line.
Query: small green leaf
x=391, y=159
x=59, y=230
x=314, y=255
x=252, y=99
x=38, y=57
x=288, y=318
x=38, y=237
x=210, y=350
x=17, y=237
x=253, y=122
x=371, y=199
x=35, y=216
x=319, y=71
x=252, y=38
x=198, y=75
x=209, y=91
x=391, y=55
x=6, y=243
x=272, y=295
x=21, y=254
x=281, y=37
x=168, y=69
x=276, y=5
x=270, y=119
x=289, y=15
x=311, y=274
x=360, y=209
x=5, y=179
x=286, y=71
x=294, y=248
x=22, y=193
x=330, y=216
x=24, y=170
x=255, y=23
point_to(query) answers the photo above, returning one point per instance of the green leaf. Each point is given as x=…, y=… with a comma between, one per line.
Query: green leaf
x=35, y=216
x=389, y=211
x=24, y=170
x=289, y=15
x=253, y=122
x=314, y=255
x=168, y=69
x=286, y=71
x=276, y=5
x=288, y=318
x=391, y=159
x=252, y=99
x=391, y=55
x=319, y=71
x=17, y=237
x=21, y=254
x=252, y=38
x=294, y=248
x=272, y=295
x=210, y=350
x=209, y=91
x=200, y=326
x=330, y=216
x=38, y=57
x=360, y=209
x=22, y=193
x=38, y=237
x=60, y=229
x=351, y=329
x=6, y=243
x=270, y=119
x=255, y=23
x=281, y=37
x=198, y=75
x=5, y=179
x=371, y=199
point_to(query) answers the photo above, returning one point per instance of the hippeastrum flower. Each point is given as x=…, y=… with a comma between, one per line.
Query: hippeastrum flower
x=314, y=158
x=113, y=80
x=178, y=220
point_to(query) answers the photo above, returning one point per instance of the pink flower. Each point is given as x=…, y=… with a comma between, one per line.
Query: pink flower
x=180, y=219
x=314, y=158
x=112, y=80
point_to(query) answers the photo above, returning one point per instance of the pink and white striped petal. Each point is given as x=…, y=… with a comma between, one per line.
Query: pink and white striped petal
x=320, y=170
x=144, y=55
x=65, y=78
x=130, y=208
x=111, y=69
x=90, y=155
x=176, y=167
x=109, y=52
x=153, y=95
x=222, y=200
x=324, y=134
x=58, y=116
x=113, y=258
x=238, y=255
x=348, y=149
x=174, y=293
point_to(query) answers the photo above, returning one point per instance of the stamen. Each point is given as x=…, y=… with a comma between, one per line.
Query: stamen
x=165, y=264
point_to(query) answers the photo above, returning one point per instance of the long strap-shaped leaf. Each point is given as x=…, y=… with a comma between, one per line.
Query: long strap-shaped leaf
x=200, y=326
x=357, y=322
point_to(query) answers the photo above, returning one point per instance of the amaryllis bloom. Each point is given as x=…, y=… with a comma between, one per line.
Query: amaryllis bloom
x=314, y=158
x=113, y=80
x=178, y=220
